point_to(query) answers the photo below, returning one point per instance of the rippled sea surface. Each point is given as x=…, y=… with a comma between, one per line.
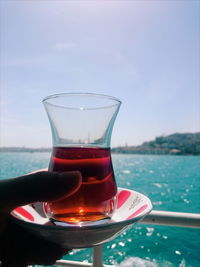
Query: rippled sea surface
x=171, y=182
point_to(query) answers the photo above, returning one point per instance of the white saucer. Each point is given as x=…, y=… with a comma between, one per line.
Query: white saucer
x=132, y=207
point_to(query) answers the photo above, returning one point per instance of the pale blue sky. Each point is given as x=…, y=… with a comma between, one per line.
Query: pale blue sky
x=144, y=52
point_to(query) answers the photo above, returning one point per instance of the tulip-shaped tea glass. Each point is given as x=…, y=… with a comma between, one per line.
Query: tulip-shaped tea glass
x=81, y=125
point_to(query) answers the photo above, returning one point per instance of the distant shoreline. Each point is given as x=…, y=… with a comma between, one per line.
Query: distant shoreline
x=24, y=149
x=175, y=144
x=113, y=151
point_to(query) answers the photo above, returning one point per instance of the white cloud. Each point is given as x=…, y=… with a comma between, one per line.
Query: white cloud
x=65, y=45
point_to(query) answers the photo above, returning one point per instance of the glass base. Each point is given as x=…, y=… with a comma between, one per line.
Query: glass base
x=80, y=223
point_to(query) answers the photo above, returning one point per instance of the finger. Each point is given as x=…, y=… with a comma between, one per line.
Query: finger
x=40, y=186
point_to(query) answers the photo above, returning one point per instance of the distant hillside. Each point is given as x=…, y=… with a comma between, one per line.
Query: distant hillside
x=178, y=143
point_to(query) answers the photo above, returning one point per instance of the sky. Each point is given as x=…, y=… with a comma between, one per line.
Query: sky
x=146, y=53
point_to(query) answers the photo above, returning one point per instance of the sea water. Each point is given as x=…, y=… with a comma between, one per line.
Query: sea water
x=171, y=182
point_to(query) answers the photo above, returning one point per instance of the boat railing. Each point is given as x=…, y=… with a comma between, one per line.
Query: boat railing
x=168, y=218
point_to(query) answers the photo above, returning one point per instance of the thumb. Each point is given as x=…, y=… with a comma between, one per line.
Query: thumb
x=39, y=186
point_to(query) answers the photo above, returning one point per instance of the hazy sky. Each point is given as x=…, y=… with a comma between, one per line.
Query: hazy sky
x=144, y=52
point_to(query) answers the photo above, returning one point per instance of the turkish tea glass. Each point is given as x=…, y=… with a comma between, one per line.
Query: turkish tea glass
x=81, y=125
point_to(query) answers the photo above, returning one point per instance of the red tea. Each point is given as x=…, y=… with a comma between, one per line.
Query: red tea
x=96, y=198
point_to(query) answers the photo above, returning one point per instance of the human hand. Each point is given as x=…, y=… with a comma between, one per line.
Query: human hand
x=19, y=248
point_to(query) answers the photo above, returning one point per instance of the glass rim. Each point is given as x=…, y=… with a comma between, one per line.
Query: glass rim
x=117, y=102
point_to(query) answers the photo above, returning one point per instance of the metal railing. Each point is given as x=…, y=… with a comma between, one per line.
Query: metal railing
x=97, y=260
x=178, y=219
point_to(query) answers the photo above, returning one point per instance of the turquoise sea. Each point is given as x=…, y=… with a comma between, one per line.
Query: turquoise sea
x=171, y=182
